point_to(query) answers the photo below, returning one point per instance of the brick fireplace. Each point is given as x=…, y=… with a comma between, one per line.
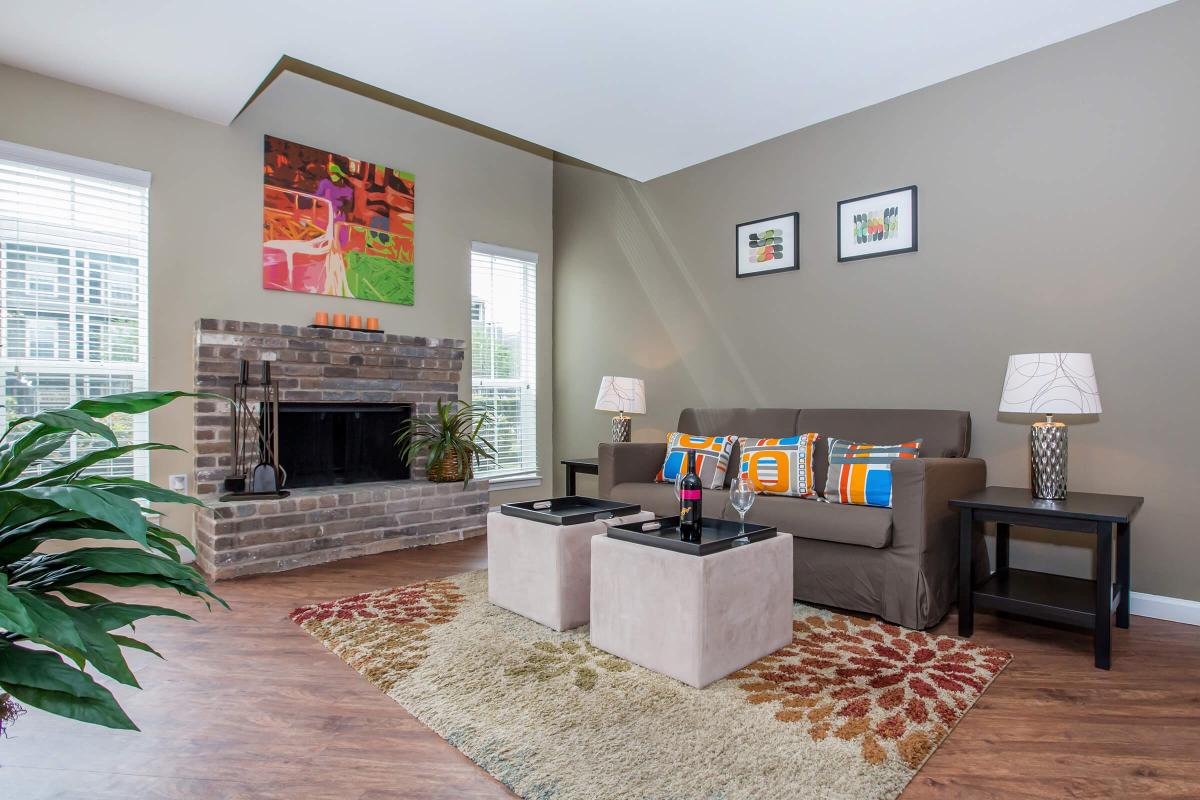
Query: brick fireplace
x=341, y=520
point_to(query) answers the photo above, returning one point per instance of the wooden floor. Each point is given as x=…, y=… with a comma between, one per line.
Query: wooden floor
x=250, y=706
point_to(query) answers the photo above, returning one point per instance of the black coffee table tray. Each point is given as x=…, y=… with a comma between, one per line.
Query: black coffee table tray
x=716, y=535
x=571, y=510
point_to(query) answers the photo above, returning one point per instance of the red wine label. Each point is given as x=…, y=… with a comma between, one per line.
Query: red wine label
x=689, y=494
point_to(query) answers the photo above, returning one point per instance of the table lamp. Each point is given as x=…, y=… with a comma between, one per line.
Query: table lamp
x=625, y=396
x=1050, y=383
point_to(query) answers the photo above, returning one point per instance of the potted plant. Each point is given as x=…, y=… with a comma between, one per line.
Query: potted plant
x=50, y=627
x=451, y=437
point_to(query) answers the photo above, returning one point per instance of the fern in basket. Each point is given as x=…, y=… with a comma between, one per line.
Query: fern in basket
x=452, y=437
x=51, y=628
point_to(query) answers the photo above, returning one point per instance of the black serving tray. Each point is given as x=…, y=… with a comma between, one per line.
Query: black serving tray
x=716, y=535
x=571, y=510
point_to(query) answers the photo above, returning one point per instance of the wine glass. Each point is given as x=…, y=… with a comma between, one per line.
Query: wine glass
x=741, y=497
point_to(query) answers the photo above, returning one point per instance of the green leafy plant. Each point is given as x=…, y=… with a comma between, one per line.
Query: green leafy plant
x=50, y=627
x=451, y=436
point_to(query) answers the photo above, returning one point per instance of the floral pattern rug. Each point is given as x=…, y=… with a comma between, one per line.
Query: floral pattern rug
x=850, y=709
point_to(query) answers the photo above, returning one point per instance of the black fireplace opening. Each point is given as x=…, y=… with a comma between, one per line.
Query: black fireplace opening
x=327, y=444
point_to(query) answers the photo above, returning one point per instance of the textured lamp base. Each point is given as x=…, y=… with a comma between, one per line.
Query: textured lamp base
x=622, y=427
x=1048, y=460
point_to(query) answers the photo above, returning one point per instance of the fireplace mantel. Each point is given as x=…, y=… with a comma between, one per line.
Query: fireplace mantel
x=318, y=524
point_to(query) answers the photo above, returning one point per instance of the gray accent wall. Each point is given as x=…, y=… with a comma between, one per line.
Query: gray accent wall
x=1058, y=212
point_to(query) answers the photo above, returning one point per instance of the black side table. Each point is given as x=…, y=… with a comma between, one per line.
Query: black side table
x=588, y=466
x=1074, y=601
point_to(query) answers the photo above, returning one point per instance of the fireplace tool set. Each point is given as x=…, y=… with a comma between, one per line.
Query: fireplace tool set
x=256, y=472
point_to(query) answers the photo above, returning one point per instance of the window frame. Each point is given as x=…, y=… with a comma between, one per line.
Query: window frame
x=527, y=472
x=68, y=250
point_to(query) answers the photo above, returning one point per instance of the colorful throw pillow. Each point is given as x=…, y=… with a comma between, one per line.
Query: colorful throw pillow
x=861, y=474
x=780, y=466
x=712, y=458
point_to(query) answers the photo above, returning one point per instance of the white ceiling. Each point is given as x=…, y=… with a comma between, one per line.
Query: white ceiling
x=640, y=87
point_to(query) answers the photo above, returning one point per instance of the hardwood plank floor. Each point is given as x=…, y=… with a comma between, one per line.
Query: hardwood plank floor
x=250, y=706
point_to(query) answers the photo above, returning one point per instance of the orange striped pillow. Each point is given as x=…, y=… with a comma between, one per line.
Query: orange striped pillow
x=861, y=474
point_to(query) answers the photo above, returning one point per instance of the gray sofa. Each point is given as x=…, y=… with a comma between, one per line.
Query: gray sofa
x=900, y=563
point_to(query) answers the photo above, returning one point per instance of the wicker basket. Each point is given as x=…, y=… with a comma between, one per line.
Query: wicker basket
x=447, y=469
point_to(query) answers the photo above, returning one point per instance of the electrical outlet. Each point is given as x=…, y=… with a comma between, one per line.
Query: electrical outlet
x=178, y=483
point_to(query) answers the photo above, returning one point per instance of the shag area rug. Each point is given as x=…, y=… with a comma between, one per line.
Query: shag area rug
x=851, y=709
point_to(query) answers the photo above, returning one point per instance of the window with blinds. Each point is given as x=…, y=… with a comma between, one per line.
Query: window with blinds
x=73, y=271
x=504, y=355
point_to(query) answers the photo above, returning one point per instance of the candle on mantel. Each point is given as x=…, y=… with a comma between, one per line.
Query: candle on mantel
x=339, y=320
x=355, y=321
x=321, y=318
x=372, y=323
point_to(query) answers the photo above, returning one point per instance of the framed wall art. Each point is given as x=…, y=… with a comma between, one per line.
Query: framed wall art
x=336, y=225
x=880, y=224
x=765, y=246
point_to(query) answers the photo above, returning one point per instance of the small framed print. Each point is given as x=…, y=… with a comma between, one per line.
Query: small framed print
x=880, y=224
x=767, y=245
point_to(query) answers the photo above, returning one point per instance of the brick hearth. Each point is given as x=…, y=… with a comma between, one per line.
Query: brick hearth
x=322, y=524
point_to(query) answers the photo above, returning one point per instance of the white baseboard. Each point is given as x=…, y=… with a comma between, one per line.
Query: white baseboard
x=1156, y=606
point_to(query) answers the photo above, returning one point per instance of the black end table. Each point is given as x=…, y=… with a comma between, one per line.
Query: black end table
x=1057, y=598
x=588, y=466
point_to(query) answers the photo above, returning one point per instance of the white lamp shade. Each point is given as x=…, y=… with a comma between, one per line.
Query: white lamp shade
x=626, y=395
x=1050, y=383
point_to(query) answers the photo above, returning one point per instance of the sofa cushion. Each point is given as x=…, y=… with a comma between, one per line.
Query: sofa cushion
x=758, y=423
x=861, y=474
x=807, y=519
x=712, y=458
x=944, y=434
x=748, y=423
x=810, y=519
x=658, y=498
x=779, y=466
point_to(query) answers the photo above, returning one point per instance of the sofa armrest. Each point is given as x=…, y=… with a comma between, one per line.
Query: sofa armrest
x=626, y=462
x=921, y=581
x=922, y=519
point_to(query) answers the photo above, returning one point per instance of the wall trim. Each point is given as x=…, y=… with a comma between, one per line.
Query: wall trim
x=515, y=482
x=1157, y=606
x=288, y=63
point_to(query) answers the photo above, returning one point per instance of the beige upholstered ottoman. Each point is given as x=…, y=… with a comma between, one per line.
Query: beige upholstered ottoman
x=695, y=618
x=543, y=571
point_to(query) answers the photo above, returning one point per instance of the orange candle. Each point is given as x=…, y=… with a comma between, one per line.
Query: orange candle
x=339, y=320
x=372, y=323
x=355, y=321
x=321, y=318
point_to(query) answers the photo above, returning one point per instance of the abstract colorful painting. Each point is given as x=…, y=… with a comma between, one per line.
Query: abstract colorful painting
x=767, y=245
x=878, y=224
x=333, y=225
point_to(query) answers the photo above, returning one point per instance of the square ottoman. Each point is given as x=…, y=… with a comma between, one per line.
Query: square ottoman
x=694, y=618
x=543, y=571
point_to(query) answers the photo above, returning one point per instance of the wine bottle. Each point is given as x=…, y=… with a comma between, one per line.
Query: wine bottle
x=690, y=497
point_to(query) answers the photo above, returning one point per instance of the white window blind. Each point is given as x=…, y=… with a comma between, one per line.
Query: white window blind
x=504, y=354
x=73, y=299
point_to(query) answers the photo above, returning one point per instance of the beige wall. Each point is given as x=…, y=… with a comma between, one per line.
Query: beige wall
x=206, y=211
x=1057, y=198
